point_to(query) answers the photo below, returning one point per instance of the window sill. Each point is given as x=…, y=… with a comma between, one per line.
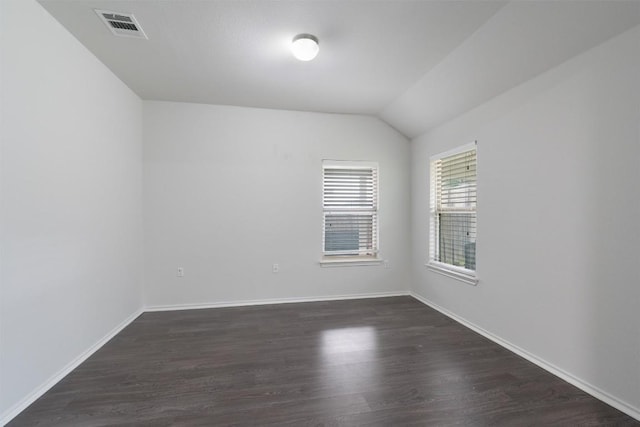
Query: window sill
x=349, y=261
x=462, y=276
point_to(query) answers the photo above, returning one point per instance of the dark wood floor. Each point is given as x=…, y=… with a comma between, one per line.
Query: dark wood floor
x=387, y=362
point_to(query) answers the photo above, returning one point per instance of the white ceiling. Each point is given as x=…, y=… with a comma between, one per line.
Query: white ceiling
x=519, y=42
x=413, y=63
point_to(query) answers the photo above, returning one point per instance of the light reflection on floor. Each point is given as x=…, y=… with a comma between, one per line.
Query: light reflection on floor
x=348, y=360
x=362, y=338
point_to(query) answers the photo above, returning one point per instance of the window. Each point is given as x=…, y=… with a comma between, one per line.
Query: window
x=350, y=209
x=452, y=245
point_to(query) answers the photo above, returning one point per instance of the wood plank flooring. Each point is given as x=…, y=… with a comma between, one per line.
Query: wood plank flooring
x=380, y=362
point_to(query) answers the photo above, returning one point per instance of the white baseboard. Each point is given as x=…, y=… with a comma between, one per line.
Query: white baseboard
x=570, y=378
x=241, y=303
x=12, y=412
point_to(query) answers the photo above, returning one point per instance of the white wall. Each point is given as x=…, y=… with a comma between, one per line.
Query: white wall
x=558, y=212
x=71, y=201
x=229, y=191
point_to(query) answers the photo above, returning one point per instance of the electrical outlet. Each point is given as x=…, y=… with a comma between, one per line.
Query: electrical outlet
x=180, y=272
x=386, y=263
x=275, y=268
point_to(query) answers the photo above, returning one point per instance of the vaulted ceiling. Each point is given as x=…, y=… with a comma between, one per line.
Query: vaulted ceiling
x=415, y=64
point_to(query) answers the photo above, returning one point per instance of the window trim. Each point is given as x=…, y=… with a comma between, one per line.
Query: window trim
x=338, y=260
x=350, y=261
x=459, y=273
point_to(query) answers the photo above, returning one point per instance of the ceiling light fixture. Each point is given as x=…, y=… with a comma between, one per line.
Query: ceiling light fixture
x=305, y=47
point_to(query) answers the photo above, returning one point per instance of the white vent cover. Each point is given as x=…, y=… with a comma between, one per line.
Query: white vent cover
x=121, y=24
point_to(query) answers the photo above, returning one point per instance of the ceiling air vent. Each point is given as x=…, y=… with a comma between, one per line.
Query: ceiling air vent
x=121, y=24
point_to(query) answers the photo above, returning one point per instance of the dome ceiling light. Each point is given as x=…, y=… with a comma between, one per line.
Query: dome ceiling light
x=305, y=47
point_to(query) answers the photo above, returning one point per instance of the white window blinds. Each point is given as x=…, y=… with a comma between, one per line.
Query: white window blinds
x=350, y=208
x=453, y=209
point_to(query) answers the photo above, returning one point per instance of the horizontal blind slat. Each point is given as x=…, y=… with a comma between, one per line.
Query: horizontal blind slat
x=454, y=218
x=351, y=228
